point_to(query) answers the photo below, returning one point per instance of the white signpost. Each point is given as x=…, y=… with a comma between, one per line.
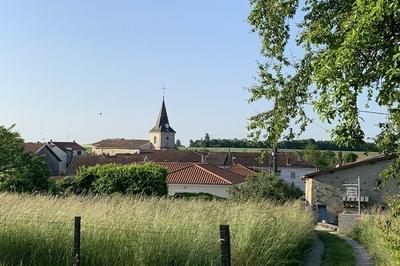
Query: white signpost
x=353, y=191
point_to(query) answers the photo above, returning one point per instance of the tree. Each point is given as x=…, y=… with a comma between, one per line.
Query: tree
x=350, y=157
x=178, y=143
x=20, y=171
x=323, y=159
x=265, y=186
x=350, y=48
x=207, y=140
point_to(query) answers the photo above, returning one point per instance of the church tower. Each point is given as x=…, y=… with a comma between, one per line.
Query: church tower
x=162, y=136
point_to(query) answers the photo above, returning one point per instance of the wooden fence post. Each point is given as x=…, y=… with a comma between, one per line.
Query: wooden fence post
x=225, y=245
x=77, y=241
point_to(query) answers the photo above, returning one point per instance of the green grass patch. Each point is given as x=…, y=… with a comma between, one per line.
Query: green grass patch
x=337, y=251
x=119, y=230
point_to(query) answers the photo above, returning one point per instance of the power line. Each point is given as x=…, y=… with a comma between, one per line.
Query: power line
x=363, y=111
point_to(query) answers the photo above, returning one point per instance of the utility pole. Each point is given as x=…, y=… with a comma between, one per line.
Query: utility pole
x=359, y=195
x=275, y=160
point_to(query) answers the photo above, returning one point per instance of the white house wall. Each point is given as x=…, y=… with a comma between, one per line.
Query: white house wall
x=286, y=174
x=112, y=152
x=217, y=190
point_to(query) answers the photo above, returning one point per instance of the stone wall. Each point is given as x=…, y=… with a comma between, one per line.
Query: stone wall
x=347, y=221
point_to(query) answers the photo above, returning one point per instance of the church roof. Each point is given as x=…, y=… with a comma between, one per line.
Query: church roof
x=162, y=124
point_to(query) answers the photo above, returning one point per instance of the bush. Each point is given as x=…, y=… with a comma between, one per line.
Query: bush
x=146, y=179
x=119, y=230
x=265, y=186
x=350, y=157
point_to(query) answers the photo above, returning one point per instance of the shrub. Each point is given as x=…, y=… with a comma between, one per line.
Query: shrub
x=350, y=157
x=146, y=179
x=266, y=186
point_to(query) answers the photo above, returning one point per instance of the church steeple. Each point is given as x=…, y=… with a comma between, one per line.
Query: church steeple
x=162, y=124
x=162, y=135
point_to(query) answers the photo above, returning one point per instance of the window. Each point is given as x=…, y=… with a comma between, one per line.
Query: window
x=79, y=153
x=167, y=138
x=293, y=175
x=155, y=140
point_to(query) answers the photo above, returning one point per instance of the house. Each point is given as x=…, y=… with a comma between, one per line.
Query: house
x=334, y=191
x=183, y=176
x=121, y=146
x=42, y=149
x=202, y=178
x=290, y=165
x=66, y=151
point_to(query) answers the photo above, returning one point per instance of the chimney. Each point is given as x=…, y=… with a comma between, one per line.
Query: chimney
x=202, y=158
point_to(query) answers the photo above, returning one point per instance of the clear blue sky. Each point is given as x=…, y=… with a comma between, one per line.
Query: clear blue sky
x=64, y=62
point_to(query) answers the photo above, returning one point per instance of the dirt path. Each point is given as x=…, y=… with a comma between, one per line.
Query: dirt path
x=314, y=257
x=360, y=253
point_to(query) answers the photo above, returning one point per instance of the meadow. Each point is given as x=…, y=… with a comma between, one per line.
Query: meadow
x=118, y=230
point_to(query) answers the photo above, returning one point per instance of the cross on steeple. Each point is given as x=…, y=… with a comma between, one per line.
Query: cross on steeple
x=163, y=91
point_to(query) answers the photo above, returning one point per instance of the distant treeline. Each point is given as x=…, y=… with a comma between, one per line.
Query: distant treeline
x=292, y=144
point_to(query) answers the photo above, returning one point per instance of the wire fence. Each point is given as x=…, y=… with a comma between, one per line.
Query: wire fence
x=77, y=227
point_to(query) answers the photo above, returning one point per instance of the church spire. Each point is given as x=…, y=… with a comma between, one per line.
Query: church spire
x=162, y=123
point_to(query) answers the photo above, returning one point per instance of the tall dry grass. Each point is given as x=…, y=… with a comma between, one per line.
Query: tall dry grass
x=380, y=233
x=117, y=230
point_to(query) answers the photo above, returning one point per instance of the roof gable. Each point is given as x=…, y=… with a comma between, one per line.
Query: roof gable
x=204, y=174
x=367, y=161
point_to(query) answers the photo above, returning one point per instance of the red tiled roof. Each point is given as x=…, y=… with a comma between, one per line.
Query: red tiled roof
x=241, y=170
x=178, y=172
x=204, y=174
x=152, y=156
x=120, y=143
x=32, y=147
x=252, y=159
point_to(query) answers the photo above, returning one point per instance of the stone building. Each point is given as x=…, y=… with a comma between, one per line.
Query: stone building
x=329, y=193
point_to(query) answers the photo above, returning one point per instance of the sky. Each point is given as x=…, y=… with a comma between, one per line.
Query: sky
x=62, y=63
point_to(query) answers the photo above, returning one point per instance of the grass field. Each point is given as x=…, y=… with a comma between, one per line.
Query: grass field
x=116, y=230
